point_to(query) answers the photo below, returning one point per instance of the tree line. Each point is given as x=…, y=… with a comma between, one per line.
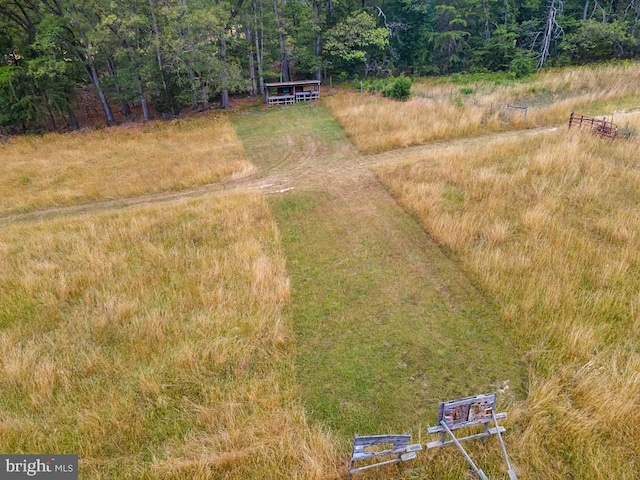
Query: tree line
x=165, y=56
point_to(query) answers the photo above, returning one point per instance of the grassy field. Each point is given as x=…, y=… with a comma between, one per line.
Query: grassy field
x=238, y=336
x=120, y=162
x=149, y=340
x=152, y=343
x=549, y=226
x=443, y=109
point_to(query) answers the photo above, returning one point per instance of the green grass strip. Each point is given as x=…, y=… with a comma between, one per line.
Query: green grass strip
x=386, y=324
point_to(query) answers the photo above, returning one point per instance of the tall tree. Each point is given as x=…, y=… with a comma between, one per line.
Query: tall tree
x=38, y=79
x=355, y=39
x=74, y=27
x=449, y=39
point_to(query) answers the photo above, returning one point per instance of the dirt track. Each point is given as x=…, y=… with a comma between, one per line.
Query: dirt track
x=305, y=162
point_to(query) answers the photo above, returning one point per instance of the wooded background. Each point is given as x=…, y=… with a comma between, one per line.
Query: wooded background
x=165, y=56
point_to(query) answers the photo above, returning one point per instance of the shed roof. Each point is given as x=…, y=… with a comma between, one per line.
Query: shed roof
x=291, y=84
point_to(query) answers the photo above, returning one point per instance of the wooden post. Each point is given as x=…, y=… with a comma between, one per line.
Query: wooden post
x=519, y=107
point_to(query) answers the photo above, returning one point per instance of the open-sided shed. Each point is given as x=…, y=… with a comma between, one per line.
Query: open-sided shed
x=279, y=93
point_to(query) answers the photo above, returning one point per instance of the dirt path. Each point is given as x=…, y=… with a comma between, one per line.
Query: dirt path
x=301, y=162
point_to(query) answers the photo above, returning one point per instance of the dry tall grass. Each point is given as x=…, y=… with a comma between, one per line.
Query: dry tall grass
x=440, y=110
x=152, y=343
x=549, y=226
x=117, y=162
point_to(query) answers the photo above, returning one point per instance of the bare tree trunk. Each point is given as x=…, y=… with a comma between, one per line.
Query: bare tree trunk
x=224, y=80
x=143, y=102
x=111, y=68
x=138, y=62
x=259, y=41
x=487, y=29
x=90, y=66
x=190, y=70
x=224, y=99
x=551, y=31
x=284, y=55
x=51, y=116
x=252, y=74
x=156, y=34
x=251, y=57
x=317, y=26
x=204, y=95
x=73, y=119
x=93, y=74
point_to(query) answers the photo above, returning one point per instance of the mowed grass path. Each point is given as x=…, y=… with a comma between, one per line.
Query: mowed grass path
x=386, y=323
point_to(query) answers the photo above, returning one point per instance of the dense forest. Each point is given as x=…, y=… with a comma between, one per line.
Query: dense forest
x=165, y=56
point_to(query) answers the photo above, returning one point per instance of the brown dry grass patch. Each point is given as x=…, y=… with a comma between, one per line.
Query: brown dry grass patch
x=152, y=343
x=548, y=227
x=442, y=110
x=118, y=162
